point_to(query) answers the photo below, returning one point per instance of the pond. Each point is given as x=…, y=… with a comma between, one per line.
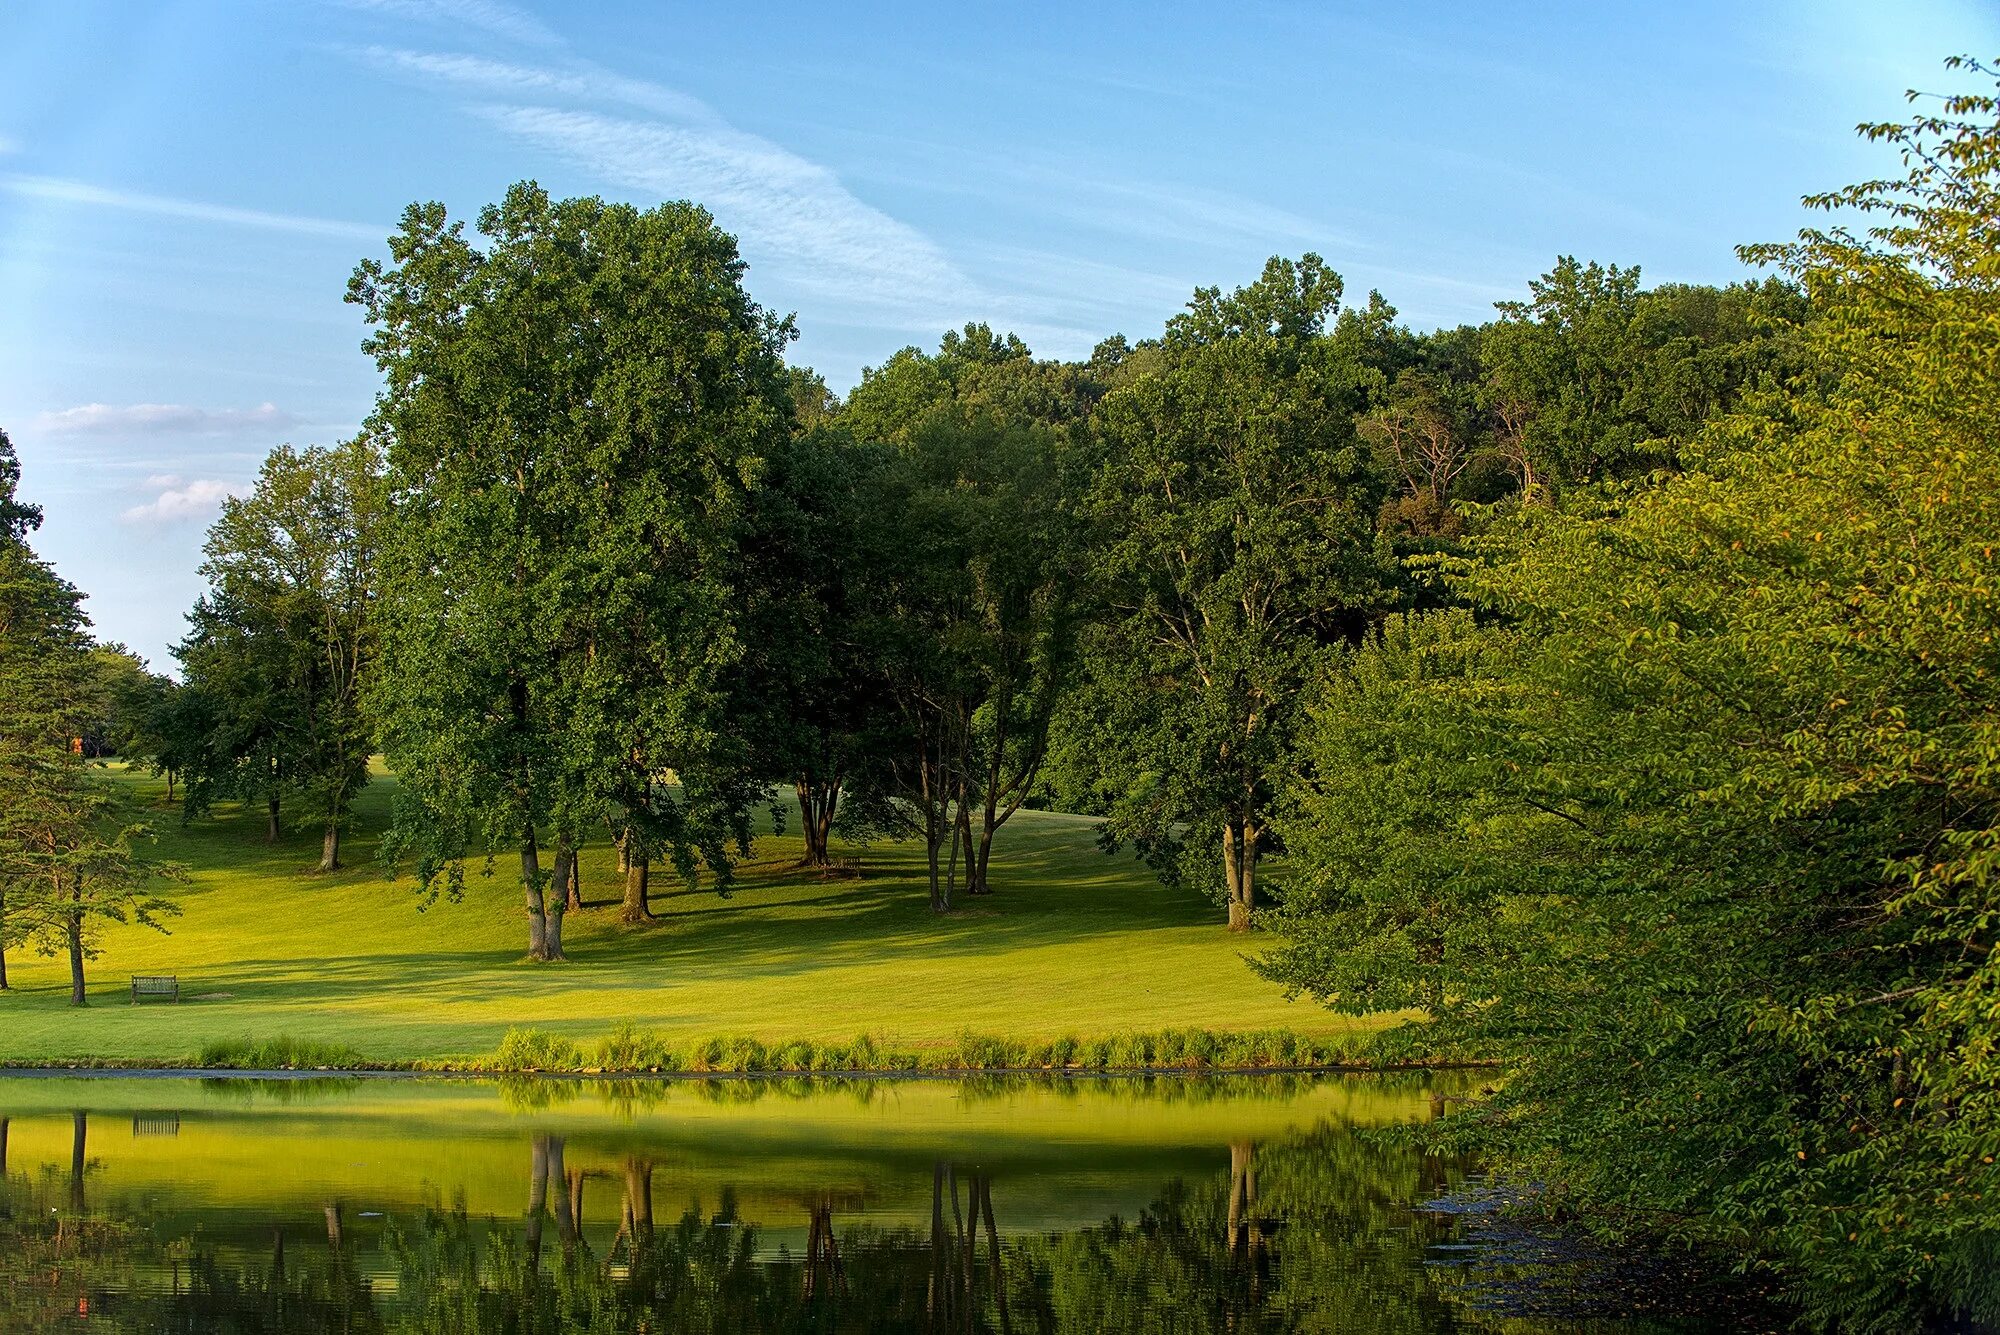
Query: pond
x=1163, y=1204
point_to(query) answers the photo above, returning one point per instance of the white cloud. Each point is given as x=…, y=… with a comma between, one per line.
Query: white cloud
x=178, y=500
x=493, y=16
x=793, y=215
x=78, y=192
x=586, y=83
x=104, y=419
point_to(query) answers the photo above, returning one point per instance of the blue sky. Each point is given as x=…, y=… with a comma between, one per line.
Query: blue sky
x=184, y=187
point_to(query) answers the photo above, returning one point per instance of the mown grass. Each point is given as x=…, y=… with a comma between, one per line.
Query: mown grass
x=1074, y=945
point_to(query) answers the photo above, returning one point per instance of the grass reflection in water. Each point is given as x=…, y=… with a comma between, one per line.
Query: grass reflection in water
x=1164, y=1205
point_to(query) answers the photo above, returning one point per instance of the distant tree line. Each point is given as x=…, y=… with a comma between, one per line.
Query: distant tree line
x=602, y=562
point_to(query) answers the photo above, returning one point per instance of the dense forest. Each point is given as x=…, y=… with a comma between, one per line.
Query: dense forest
x=1613, y=683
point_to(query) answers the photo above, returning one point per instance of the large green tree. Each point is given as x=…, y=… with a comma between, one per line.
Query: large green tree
x=811, y=692
x=67, y=863
x=1234, y=511
x=1698, y=827
x=574, y=413
x=282, y=644
x=979, y=581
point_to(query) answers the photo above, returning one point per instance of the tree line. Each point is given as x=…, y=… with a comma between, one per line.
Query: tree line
x=602, y=562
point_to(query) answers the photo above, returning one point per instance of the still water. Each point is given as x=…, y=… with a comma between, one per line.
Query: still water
x=1170, y=1204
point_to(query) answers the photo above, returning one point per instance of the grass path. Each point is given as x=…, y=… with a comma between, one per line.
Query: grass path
x=1072, y=942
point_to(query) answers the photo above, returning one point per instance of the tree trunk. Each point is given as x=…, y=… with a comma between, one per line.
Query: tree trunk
x=273, y=828
x=531, y=890
x=809, y=824
x=170, y=787
x=639, y=1200
x=817, y=803
x=73, y=930
x=556, y=903
x=329, y=847
x=829, y=803
x=638, y=883
x=975, y=861
x=558, y=1186
x=1242, y=1198
x=624, y=860
x=79, y=1131
x=3, y=938
x=538, y=1197
x=576, y=880
x=1239, y=864
x=961, y=834
x=985, y=1188
x=932, y=840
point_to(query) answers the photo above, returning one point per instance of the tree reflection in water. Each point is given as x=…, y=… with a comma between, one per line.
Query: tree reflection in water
x=1305, y=1231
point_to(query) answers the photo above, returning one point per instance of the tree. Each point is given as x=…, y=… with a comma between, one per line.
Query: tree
x=130, y=692
x=1593, y=377
x=64, y=846
x=174, y=735
x=65, y=866
x=980, y=583
x=574, y=416
x=282, y=645
x=1697, y=826
x=811, y=690
x=17, y=517
x=1233, y=507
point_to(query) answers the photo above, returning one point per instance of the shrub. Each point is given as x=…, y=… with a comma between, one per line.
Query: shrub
x=537, y=1050
x=276, y=1054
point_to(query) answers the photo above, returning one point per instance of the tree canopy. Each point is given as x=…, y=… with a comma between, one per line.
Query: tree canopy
x=574, y=415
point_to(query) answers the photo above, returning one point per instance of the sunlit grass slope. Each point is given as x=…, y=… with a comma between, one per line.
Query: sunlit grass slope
x=1073, y=942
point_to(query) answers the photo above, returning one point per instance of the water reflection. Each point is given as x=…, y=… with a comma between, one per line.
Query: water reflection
x=731, y=1206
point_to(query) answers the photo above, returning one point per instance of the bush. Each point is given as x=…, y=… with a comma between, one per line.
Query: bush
x=537, y=1050
x=626, y=1049
x=283, y=1053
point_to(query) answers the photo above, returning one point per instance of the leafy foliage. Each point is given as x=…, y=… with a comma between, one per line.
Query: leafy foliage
x=557, y=607
x=67, y=861
x=1700, y=832
x=281, y=647
x=1234, y=509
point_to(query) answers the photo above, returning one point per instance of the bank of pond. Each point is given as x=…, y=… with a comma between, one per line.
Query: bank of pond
x=1182, y=1203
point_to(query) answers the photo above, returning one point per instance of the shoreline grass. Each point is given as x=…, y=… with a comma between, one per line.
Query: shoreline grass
x=629, y=1052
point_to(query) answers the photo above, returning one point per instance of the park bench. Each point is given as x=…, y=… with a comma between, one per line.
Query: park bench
x=165, y=987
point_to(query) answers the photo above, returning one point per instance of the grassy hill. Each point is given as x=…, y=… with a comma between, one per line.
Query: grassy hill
x=1073, y=942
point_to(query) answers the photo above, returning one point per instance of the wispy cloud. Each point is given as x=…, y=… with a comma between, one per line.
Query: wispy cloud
x=585, y=83
x=793, y=215
x=85, y=195
x=180, y=499
x=8, y=144
x=492, y=16
x=142, y=419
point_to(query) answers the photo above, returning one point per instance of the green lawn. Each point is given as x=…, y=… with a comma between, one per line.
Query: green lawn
x=1072, y=942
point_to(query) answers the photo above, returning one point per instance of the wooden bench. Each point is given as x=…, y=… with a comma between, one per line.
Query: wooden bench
x=165, y=987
